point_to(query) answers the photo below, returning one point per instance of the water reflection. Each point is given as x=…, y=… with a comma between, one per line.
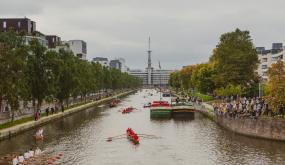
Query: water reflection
x=82, y=137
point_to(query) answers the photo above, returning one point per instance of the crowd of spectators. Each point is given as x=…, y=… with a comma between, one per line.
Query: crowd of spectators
x=245, y=107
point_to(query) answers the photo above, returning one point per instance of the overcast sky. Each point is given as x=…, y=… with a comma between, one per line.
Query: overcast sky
x=182, y=31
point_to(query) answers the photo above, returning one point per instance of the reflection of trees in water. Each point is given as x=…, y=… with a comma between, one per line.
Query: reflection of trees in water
x=53, y=131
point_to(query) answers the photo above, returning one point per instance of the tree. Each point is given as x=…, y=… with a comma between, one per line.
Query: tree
x=174, y=80
x=13, y=53
x=229, y=90
x=202, y=77
x=39, y=72
x=276, y=86
x=234, y=59
x=185, y=76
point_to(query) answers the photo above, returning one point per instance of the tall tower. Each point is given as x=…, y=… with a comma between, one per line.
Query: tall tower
x=149, y=69
x=149, y=54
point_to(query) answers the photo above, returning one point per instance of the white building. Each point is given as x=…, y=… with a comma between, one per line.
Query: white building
x=160, y=77
x=101, y=60
x=38, y=36
x=140, y=74
x=269, y=57
x=119, y=63
x=78, y=47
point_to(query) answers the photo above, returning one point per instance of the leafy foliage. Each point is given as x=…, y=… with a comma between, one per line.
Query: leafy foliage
x=230, y=70
x=234, y=59
x=34, y=73
x=276, y=85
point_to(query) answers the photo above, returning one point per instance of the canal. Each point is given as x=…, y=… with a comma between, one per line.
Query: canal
x=82, y=138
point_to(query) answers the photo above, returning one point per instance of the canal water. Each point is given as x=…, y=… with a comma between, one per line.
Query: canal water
x=82, y=138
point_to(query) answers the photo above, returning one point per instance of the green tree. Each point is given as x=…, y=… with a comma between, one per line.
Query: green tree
x=40, y=73
x=185, y=77
x=202, y=78
x=13, y=53
x=66, y=81
x=235, y=59
x=175, y=80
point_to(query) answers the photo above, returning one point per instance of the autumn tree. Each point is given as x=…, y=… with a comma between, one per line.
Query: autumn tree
x=276, y=86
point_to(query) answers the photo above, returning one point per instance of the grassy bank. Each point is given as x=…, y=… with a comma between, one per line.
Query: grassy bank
x=204, y=97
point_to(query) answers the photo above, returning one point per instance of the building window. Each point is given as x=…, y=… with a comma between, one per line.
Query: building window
x=274, y=58
x=4, y=24
x=264, y=66
x=19, y=24
x=264, y=59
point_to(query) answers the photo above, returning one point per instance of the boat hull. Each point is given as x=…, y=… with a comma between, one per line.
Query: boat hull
x=183, y=110
x=131, y=139
x=161, y=112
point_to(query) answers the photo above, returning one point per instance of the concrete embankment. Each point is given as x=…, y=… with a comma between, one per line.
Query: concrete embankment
x=12, y=131
x=267, y=128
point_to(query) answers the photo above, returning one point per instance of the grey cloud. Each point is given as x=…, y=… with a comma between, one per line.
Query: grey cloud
x=183, y=31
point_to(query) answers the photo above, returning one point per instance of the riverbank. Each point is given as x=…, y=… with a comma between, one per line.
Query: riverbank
x=14, y=130
x=263, y=127
x=266, y=128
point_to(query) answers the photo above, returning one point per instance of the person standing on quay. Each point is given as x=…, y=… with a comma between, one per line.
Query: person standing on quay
x=47, y=111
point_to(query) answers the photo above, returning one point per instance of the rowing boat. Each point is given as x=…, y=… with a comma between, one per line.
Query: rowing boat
x=128, y=110
x=132, y=136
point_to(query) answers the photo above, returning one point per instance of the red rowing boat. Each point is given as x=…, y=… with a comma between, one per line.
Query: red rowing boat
x=128, y=110
x=133, y=136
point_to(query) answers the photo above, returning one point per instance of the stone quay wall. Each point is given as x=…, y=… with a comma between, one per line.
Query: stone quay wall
x=263, y=127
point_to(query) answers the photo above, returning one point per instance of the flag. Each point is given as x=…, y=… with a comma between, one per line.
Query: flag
x=159, y=65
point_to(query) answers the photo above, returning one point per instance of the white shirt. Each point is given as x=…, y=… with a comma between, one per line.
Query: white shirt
x=38, y=152
x=21, y=159
x=15, y=161
x=31, y=153
x=26, y=155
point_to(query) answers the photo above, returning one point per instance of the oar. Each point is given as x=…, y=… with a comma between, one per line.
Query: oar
x=117, y=136
x=145, y=134
x=111, y=138
x=149, y=137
